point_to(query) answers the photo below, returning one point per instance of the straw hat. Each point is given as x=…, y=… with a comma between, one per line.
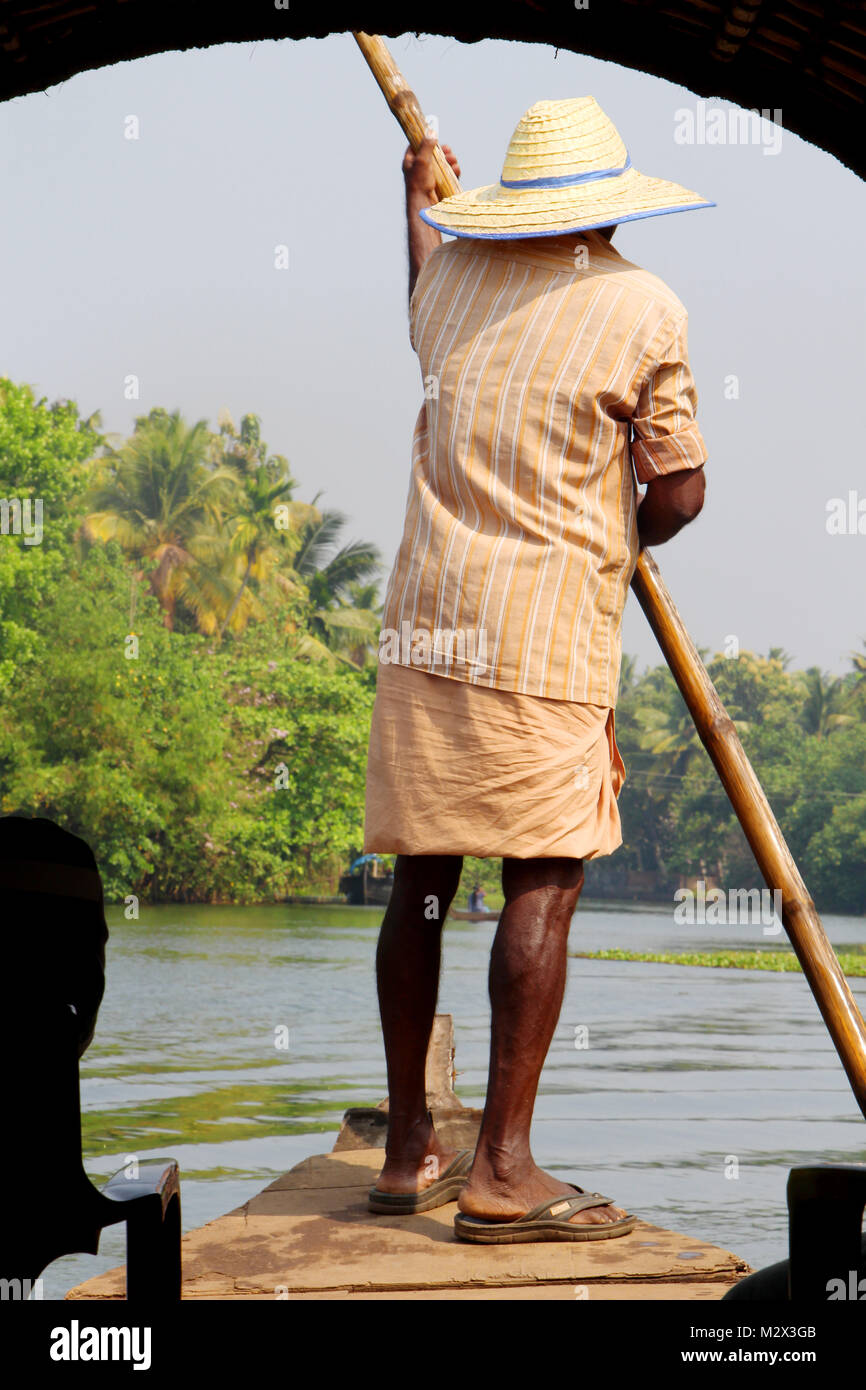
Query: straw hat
x=567, y=169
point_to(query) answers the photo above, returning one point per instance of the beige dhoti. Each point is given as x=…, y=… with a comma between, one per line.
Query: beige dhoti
x=465, y=769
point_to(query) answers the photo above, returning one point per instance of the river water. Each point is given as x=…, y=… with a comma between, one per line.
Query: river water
x=690, y=1075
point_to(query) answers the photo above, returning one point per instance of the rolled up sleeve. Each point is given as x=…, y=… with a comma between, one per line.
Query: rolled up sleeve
x=666, y=437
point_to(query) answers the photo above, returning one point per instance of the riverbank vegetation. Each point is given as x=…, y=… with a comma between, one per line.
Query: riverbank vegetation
x=187, y=670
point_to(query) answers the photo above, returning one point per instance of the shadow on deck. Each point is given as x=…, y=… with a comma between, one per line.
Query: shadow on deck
x=310, y=1235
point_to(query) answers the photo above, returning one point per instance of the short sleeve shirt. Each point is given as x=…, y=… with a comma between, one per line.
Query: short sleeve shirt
x=556, y=377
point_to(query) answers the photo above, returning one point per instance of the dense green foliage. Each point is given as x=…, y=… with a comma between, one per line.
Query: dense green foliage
x=186, y=681
x=805, y=734
x=43, y=450
x=207, y=749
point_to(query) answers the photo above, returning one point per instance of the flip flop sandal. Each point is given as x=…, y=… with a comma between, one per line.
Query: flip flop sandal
x=445, y=1189
x=550, y=1220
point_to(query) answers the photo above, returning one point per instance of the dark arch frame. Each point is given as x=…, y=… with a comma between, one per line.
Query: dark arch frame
x=805, y=58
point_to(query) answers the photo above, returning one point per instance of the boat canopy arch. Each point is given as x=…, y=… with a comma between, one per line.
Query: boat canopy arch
x=806, y=62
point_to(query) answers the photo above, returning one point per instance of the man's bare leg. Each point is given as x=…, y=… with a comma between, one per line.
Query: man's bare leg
x=407, y=971
x=527, y=982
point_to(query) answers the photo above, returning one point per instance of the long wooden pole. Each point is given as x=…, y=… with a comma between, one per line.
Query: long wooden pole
x=715, y=727
x=718, y=735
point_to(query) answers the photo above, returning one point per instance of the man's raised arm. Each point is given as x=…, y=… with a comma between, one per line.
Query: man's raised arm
x=419, y=173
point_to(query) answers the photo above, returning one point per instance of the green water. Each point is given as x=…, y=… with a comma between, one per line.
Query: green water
x=684, y=1068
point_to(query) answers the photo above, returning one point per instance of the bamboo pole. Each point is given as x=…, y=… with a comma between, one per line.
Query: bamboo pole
x=718, y=735
x=715, y=727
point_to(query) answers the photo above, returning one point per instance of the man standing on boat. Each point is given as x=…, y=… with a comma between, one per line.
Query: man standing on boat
x=556, y=376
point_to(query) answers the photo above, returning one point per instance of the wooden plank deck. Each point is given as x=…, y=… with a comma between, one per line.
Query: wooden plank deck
x=309, y=1235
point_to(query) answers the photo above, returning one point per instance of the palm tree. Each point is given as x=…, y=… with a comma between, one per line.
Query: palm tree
x=341, y=617
x=779, y=654
x=826, y=697
x=155, y=495
x=670, y=735
x=264, y=530
x=365, y=599
x=627, y=674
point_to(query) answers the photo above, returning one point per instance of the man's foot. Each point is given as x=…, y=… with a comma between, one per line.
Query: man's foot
x=505, y=1196
x=420, y=1162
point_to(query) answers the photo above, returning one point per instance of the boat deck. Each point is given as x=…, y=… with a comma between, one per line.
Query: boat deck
x=310, y=1235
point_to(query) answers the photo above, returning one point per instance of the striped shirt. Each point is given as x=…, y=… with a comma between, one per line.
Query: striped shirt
x=550, y=366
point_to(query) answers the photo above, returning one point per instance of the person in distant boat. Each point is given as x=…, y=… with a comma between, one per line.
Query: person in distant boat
x=476, y=899
x=556, y=384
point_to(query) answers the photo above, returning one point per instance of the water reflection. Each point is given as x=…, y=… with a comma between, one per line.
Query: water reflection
x=683, y=1068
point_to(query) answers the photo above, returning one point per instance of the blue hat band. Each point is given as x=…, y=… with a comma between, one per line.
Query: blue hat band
x=567, y=180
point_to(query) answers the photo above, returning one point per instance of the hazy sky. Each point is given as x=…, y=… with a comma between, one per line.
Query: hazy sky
x=155, y=257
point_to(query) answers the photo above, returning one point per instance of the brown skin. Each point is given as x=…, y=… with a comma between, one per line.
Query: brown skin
x=527, y=980
x=670, y=503
x=529, y=955
x=419, y=173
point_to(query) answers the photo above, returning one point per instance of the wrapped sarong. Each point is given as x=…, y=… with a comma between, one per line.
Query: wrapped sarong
x=466, y=769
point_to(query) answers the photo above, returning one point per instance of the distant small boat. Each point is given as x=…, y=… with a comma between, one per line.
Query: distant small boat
x=367, y=883
x=465, y=914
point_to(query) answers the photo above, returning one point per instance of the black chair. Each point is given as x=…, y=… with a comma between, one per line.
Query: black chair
x=52, y=1208
x=53, y=943
x=826, y=1244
